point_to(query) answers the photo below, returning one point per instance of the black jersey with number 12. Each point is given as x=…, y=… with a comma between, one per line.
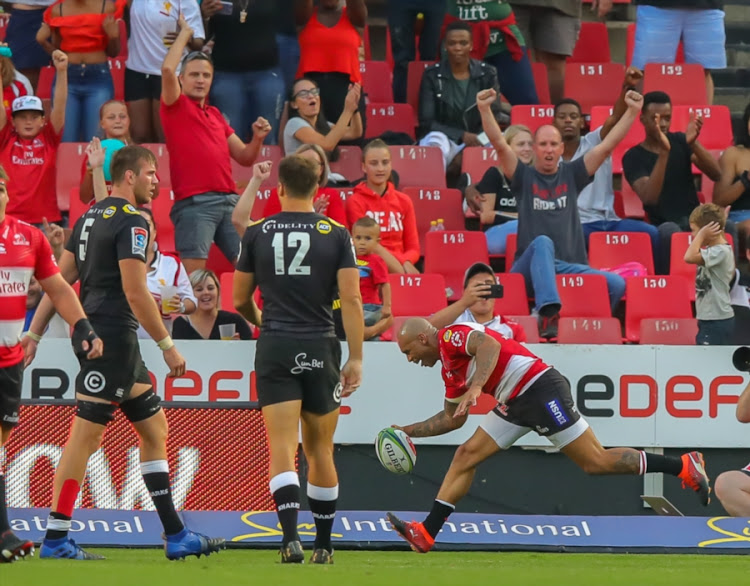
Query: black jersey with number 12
x=110, y=231
x=295, y=257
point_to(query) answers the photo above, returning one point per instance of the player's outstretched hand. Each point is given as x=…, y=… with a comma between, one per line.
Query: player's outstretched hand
x=469, y=400
x=29, y=350
x=95, y=153
x=95, y=349
x=175, y=362
x=351, y=377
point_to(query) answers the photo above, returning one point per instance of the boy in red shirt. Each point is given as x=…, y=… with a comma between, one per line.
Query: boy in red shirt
x=28, y=151
x=373, y=278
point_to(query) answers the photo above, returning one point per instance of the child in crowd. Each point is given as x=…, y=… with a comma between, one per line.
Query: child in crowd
x=713, y=280
x=373, y=278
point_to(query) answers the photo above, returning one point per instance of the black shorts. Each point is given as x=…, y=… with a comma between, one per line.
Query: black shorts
x=141, y=86
x=290, y=369
x=545, y=407
x=11, y=382
x=112, y=376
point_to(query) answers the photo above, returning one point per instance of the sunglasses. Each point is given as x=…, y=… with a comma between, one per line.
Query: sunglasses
x=195, y=55
x=313, y=93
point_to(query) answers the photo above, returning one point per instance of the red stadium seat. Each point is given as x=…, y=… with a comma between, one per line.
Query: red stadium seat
x=377, y=81
x=261, y=198
x=227, y=291
x=46, y=78
x=707, y=189
x=348, y=163
x=530, y=326
x=514, y=301
x=630, y=46
x=414, y=80
x=588, y=330
x=716, y=133
x=217, y=262
x=385, y=117
x=477, y=160
x=671, y=332
x=162, y=163
x=532, y=116
x=417, y=165
x=511, y=245
x=123, y=40
x=632, y=206
x=541, y=82
x=77, y=207
x=451, y=253
x=685, y=83
x=635, y=135
x=242, y=174
x=417, y=295
x=3, y=28
x=433, y=204
x=593, y=84
x=68, y=174
x=608, y=250
x=583, y=296
x=366, y=43
x=161, y=206
x=117, y=69
x=657, y=297
x=592, y=45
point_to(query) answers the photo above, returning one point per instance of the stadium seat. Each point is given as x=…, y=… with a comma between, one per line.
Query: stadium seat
x=587, y=330
x=3, y=28
x=532, y=116
x=417, y=295
x=630, y=46
x=632, y=206
x=685, y=83
x=348, y=163
x=77, y=208
x=117, y=69
x=345, y=193
x=68, y=172
x=46, y=79
x=530, y=326
x=716, y=133
x=389, y=117
x=514, y=300
x=377, y=81
x=242, y=174
x=366, y=43
x=417, y=165
x=217, y=262
x=608, y=250
x=593, y=84
x=123, y=54
x=707, y=189
x=433, y=204
x=541, y=82
x=261, y=198
x=583, y=296
x=451, y=253
x=414, y=80
x=592, y=45
x=227, y=291
x=511, y=245
x=635, y=135
x=671, y=332
x=477, y=160
x=162, y=162
x=658, y=297
x=161, y=206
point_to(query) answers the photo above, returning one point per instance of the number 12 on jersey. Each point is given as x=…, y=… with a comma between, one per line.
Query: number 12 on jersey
x=294, y=240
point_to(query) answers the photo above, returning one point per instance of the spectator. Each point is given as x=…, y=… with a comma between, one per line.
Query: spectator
x=392, y=210
x=663, y=154
x=448, y=118
x=713, y=279
x=200, y=144
x=329, y=51
x=15, y=84
x=373, y=278
x=492, y=198
x=478, y=306
x=153, y=28
x=88, y=32
x=402, y=17
x=498, y=40
x=28, y=56
x=740, y=297
x=248, y=82
x=660, y=25
x=28, y=151
x=166, y=271
x=206, y=321
x=307, y=123
x=550, y=236
x=286, y=39
x=733, y=187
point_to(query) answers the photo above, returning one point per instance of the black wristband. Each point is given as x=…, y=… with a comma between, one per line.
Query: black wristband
x=82, y=331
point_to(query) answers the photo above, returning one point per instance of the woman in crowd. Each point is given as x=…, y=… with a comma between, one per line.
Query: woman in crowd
x=207, y=320
x=394, y=211
x=15, y=84
x=88, y=32
x=28, y=56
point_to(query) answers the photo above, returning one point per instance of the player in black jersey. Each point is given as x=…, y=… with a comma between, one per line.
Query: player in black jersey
x=299, y=258
x=107, y=252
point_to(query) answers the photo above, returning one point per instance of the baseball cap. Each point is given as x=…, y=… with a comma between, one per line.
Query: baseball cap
x=27, y=103
x=475, y=269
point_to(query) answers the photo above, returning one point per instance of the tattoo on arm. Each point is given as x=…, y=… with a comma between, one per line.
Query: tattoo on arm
x=486, y=351
x=439, y=424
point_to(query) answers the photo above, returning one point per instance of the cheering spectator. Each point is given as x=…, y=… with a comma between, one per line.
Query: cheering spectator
x=15, y=84
x=200, y=144
x=28, y=56
x=307, y=123
x=208, y=322
x=88, y=32
x=153, y=28
x=28, y=151
x=499, y=42
x=448, y=118
x=392, y=210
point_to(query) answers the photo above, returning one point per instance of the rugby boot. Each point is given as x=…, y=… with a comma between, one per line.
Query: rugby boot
x=292, y=553
x=694, y=476
x=186, y=542
x=65, y=549
x=321, y=556
x=414, y=533
x=13, y=549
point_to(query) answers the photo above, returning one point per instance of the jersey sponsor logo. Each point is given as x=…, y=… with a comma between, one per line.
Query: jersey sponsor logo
x=129, y=209
x=2, y=248
x=94, y=382
x=303, y=364
x=13, y=418
x=457, y=339
x=542, y=430
x=337, y=391
x=109, y=212
x=323, y=226
x=139, y=241
x=15, y=282
x=20, y=240
x=447, y=336
x=554, y=409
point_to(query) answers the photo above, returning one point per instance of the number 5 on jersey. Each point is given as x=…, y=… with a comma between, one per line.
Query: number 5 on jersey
x=83, y=241
x=294, y=240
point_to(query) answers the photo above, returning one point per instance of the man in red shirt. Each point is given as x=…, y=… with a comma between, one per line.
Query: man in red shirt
x=28, y=151
x=201, y=145
x=531, y=395
x=25, y=252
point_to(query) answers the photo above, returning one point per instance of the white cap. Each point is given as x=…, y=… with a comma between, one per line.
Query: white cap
x=27, y=103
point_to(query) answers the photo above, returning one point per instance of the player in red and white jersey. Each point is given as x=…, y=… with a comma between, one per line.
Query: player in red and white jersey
x=531, y=395
x=25, y=252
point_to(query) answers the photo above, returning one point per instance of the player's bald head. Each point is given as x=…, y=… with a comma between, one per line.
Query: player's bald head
x=412, y=328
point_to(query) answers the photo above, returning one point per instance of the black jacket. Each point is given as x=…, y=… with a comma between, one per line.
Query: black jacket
x=444, y=108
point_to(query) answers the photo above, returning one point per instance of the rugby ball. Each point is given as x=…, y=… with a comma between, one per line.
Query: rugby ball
x=395, y=451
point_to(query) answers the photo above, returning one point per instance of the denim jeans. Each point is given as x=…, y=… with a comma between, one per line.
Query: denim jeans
x=243, y=96
x=515, y=78
x=717, y=332
x=497, y=235
x=627, y=226
x=539, y=266
x=288, y=59
x=89, y=86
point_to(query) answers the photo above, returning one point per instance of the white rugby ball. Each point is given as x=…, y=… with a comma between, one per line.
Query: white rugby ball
x=395, y=451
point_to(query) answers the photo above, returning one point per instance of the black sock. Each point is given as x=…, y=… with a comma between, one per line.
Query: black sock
x=4, y=524
x=58, y=525
x=438, y=515
x=286, y=493
x=156, y=477
x=323, y=507
x=658, y=463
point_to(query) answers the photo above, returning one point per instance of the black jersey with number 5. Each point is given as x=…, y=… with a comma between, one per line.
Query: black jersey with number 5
x=295, y=257
x=110, y=231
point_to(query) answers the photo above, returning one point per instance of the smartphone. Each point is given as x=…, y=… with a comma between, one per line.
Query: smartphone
x=496, y=292
x=226, y=8
x=484, y=141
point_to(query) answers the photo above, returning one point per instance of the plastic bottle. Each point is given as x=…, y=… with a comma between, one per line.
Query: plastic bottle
x=433, y=226
x=440, y=225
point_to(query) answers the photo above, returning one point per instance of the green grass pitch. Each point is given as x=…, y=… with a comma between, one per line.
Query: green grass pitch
x=261, y=568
